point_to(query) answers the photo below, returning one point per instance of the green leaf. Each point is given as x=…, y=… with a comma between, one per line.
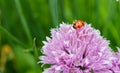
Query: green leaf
x=23, y=20
x=3, y=30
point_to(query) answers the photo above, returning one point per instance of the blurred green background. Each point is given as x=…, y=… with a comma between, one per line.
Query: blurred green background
x=24, y=24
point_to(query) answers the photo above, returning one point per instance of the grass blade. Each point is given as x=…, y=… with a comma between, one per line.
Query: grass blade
x=54, y=11
x=2, y=30
x=23, y=20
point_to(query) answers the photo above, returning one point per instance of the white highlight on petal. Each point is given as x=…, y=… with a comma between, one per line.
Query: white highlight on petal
x=106, y=62
x=44, y=42
x=100, y=54
x=57, y=59
x=71, y=55
x=86, y=61
x=112, y=58
x=63, y=54
x=48, y=39
x=103, y=48
x=66, y=42
x=53, y=52
x=58, y=34
x=69, y=31
x=58, y=68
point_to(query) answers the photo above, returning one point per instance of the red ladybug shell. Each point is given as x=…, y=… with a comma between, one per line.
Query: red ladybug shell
x=78, y=24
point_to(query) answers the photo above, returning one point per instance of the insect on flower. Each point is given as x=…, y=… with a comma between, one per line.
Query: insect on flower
x=72, y=56
x=78, y=24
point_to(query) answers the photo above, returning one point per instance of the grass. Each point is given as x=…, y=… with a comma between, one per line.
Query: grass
x=24, y=24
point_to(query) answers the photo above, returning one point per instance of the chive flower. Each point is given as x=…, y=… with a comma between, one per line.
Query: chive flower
x=82, y=50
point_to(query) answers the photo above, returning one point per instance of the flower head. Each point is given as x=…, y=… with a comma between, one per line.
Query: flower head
x=80, y=50
x=116, y=62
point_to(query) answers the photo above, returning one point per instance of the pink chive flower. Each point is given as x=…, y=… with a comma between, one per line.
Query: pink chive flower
x=82, y=50
x=116, y=62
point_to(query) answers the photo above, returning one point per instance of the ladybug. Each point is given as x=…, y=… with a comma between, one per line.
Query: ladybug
x=78, y=24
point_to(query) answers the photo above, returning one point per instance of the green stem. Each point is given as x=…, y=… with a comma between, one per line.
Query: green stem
x=0, y=26
x=35, y=49
x=35, y=53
